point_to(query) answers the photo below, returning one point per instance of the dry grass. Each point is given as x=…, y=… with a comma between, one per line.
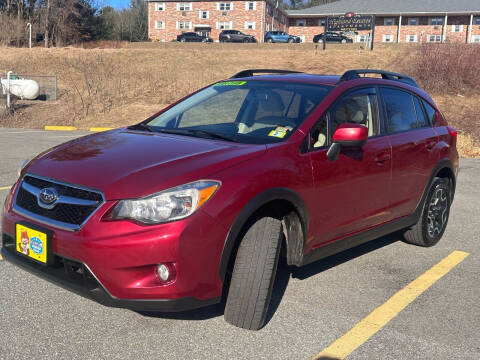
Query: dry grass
x=117, y=85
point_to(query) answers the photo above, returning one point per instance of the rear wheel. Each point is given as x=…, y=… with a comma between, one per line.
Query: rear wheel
x=254, y=274
x=433, y=220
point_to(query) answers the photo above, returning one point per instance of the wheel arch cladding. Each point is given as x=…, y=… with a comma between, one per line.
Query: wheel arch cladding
x=282, y=202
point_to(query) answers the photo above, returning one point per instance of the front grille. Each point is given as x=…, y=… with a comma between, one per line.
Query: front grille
x=72, y=214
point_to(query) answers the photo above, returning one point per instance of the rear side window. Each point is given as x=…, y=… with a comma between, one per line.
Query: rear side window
x=431, y=113
x=400, y=110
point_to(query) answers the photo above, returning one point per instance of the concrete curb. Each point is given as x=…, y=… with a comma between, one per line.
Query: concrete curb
x=73, y=128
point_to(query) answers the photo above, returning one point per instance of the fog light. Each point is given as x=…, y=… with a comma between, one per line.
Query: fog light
x=163, y=272
x=166, y=272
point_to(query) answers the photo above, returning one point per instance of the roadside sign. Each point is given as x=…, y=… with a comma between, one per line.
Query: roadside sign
x=350, y=23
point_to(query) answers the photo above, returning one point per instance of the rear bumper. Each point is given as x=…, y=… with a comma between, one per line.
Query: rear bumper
x=78, y=278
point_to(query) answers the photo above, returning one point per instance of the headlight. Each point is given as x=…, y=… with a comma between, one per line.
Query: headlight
x=172, y=204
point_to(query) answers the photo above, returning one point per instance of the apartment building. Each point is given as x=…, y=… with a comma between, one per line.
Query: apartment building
x=167, y=19
x=397, y=21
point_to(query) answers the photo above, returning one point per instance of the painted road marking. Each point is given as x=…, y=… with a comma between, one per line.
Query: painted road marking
x=60, y=128
x=5, y=187
x=379, y=317
x=99, y=129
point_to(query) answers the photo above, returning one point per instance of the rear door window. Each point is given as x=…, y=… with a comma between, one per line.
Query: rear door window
x=400, y=110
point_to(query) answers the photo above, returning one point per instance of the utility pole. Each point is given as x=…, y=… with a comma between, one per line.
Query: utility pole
x=47, y=15
x=29, y=25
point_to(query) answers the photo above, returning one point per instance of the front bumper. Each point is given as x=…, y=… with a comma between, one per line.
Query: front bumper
x=114, y=262
x=78, y=278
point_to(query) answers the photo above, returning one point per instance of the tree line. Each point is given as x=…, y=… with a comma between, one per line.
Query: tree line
x=65, y=22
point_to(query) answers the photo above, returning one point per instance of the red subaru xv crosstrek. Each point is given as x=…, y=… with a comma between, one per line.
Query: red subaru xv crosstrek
x=210, y=191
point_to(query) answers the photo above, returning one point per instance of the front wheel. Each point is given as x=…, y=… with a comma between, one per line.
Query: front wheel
x=182, y=40
x=254, y=274
x=290, y=40
x=432, y=223
x=344, y=41
x=270, y=40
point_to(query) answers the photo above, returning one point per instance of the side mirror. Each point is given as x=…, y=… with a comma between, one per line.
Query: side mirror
x=347, y=135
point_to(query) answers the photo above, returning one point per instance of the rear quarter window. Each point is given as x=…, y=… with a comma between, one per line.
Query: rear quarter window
x=431, y=113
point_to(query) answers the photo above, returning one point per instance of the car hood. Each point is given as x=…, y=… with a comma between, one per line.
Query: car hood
x=129, y=164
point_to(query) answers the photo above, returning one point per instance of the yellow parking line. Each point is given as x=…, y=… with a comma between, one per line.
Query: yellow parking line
x=379, y=317
x=5, y=187
x=60, y=128
x=98, y=129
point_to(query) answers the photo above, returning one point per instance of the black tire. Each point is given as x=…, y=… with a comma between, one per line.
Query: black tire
x=254, y=274
x=290, y=40
x=182, y=40
x=434, y=218
x=270, y=40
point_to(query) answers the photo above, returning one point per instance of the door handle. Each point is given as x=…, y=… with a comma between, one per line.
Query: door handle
x=430, y=145
x=382, y=157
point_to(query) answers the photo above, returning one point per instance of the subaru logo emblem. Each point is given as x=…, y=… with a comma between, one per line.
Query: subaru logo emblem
x=48, y=195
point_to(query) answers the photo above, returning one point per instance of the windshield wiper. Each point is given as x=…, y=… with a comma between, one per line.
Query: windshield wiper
x=141, y=126
x=196, y=132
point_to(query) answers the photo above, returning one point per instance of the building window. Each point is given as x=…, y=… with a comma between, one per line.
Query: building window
x=476, y=21
x=159, y=6
x=184, y=6
x=267, y=27
x=362, y=38
x=412, y=21
x=457, y=28
x=224, y=6
x=301, y=22
x=436, y=21
x=184, y=25
x=389, y=21
x=203, y=14
x=250, y=5
x=412, y=38
x=224, y=25
x=249, y=25
x=159, y=24
x=434, y=38
x=321, y=22
x=387, y=38
x=476, y=38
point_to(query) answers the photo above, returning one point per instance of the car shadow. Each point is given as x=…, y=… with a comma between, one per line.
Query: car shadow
x=284, y=273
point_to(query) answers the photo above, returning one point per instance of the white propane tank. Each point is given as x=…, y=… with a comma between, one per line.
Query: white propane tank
x=23, y=88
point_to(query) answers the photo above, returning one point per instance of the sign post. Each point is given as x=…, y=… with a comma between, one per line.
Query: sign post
x=350, y=22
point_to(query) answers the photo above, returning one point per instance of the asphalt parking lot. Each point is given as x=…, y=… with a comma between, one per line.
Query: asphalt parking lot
x=312, y=306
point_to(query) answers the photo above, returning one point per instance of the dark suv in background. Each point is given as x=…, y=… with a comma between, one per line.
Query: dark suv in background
x=193, y=37
x=235, y=36
x=332, y=37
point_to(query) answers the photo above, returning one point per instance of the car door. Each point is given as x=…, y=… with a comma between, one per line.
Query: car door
x=413, y=141
x=352, y=192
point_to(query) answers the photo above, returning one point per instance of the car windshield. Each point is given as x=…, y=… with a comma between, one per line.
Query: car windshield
x=256, y=112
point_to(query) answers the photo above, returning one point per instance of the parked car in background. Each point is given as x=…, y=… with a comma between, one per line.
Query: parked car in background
x=332, y=37
x=281, y=37
x=236, y=36
x=193, y=37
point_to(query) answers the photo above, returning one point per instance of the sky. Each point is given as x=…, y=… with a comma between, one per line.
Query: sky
x=117, y=4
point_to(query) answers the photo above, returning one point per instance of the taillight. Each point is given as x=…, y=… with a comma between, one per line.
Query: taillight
x=452, y=131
